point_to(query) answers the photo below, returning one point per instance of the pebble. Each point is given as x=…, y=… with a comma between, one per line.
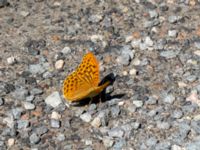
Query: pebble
x=34, y=138
x=17, y=112
x=163, y=146
x=86, y=117
x=54, y=99
x=36, y=91
x=116, y=132
x=66, y=50
x=30, y=98
x=108, y=142
x=115, y=111
x=197, y=52
x=177, y=114
x=92, y=107
x=174, y=19
x=138, y=103
x=22, y=124
x=55, y=115
x=29, y=106
x=151, y=142
x=172, y=33
x=153, y=14
x=135, y=43
x=3, y=3
x=36, y=69
x=196, y=126
x=96, y=122
x=169, y=54
x=95, y=18
x=60, y=137
x=11, y=142
x=124, y=59
x=41, y=130
x=118, y=145
x=59, y=64
x=148, y=41
x=1, y=101
x=11, y=60
x=193, y=145
x=24, y=13
x=55, y=123
x=176, y=147
x=197, y=44
x=20, y=93
x=169, y=99
x=133, y=72
x=163, y=125
x=151, y=101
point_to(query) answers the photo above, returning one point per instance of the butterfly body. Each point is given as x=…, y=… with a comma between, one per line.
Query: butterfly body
x=83, y=82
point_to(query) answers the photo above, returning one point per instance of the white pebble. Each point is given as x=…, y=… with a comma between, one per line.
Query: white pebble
x=29, y=106
x=11, y=142
x=197, y=52
x=55, y=115
x=96, y=122
x=66, y=50
x=59, y=64
x=11, y=60
x=133, y=71
x=86, y=117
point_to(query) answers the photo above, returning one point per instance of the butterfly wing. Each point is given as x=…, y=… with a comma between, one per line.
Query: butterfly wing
x=80, y=83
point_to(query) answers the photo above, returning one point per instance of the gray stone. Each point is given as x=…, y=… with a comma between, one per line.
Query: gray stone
x=153, y=14
x=191, y=78
x=163, y=125
x=36, y=91
x=138, y=103
x=172, y=33
x=60, y=137
x=169, y=54
x=169, y=99
x=193, y=145
x=119, y=144
x=135, y=43
x=17, y=112
x=3, y=3
x=148, y=41
x=34, y=138
x=66, y=50
x=54, y=99
x=174, y=19
x=47, y=75
x=92, y=107
x=196, y=126
x=1, y=144
x=115, y=111
x=177, y=114
x=151, y=101
x=29, y=106
x=116, y=132
x=20, y=93
x=108, y=142
x=22, y=124
x=95, y=18
x=197, y=44
x=55, y=123
x=37, y=69
x=151, y=142
x=30, y=98
x=163, y=146
x=1, y=101
x=41, y=130
x=86, y=117
x=151, y=23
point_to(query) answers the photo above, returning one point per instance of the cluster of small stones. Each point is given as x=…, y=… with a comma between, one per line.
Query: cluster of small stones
x=151, y=46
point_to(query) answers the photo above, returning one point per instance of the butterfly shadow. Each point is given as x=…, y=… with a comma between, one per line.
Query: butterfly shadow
x=103, y=96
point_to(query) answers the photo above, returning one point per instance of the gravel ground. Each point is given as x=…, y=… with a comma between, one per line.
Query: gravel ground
x=152, y=47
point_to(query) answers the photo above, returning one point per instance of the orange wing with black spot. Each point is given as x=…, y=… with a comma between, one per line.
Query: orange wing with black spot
x=83, y=80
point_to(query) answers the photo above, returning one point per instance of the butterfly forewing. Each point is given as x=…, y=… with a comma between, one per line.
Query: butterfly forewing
x=79, y=84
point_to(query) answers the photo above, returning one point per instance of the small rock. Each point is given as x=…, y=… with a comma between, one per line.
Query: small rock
x=41, y=130
x=96, y=38
x=151, y=101
x=133, y=72
x=169, y=54
x=55, y=115
x=153, y=14
x=22, y=124
x=172, y=33
x=92, y=107
x=95, y=18
x=86, y=117
x=148, y=42
x=36, y=91
x=151, y=142
x=169, y=99
x=163, y=125
x=30, y=98
x=24, y=13
x=115, y=111
x=96, y=122
x=37, y=69
x=55, y=123
x=59, y=64
x=11, y=60
x=177, y=114
x=11, y=142
x=163, y=146
x=197, y=52
x=174, y=19
x=135, y=43
x=20, y=93
x=34, y=139
x=197, y=44
x=88, y=142
x=138, y=103
x=54, y=99
x=176, y=147
x=17, y=112
x=108, y=142
x=118, y=145
x=29, y=106
x=66, y=50
x=3, y=3
x=196, y=126
x=60, y=137
x=116, y=132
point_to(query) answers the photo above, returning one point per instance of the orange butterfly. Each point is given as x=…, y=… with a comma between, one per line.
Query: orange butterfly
x=84, y=81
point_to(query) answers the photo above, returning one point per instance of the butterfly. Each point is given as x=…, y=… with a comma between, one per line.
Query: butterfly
x=84, y=81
